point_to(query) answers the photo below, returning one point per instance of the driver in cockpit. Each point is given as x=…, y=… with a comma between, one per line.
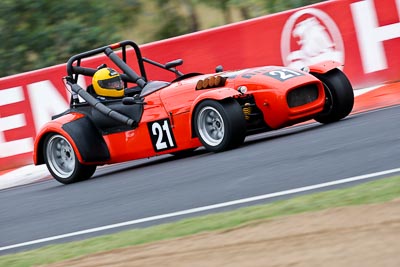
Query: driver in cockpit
x=107, y=84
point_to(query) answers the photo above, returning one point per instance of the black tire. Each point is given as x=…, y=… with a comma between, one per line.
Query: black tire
x=62, y=162
x=220, y=125
x=339, y=96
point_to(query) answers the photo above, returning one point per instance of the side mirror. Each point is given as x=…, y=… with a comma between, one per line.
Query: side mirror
x=128, y=100
x=174, y=63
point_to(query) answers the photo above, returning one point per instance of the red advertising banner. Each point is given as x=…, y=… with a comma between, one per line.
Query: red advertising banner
x=363, y=35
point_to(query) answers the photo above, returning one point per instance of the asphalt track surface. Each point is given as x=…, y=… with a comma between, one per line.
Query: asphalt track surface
x=271, y=162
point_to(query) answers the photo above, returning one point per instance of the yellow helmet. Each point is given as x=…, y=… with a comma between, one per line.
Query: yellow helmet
x=107, y=82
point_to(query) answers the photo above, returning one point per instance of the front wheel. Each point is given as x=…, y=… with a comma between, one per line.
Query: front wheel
x=339, y=96
x=220, y=125
x=62, y=162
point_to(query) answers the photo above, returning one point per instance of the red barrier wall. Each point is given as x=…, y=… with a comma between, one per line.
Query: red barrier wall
x=363, y=35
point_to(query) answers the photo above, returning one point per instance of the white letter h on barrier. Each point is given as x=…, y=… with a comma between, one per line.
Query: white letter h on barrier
x=370, y=36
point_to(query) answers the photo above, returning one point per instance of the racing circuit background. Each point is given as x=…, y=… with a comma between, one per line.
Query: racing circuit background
x=363, y=35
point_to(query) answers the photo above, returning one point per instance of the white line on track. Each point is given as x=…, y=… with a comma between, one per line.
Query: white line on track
x=204, y=208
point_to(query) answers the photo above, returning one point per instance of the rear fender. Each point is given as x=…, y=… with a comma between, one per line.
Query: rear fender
x=215, y=94
x=324, y=66
x=49, y=129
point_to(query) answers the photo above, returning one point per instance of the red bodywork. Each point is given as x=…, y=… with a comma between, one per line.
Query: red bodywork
x=177, y=102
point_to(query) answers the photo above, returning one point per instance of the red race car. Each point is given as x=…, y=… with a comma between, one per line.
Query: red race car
x=123, y=116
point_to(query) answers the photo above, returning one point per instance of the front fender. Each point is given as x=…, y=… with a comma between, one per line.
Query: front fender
x=324, y=66
x=214, y=94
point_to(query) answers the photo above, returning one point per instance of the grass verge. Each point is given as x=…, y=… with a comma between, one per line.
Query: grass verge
x=372, y=192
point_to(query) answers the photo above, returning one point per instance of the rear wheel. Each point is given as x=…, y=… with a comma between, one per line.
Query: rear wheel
x=339, y=96
x=62, y=162
x=220, y=125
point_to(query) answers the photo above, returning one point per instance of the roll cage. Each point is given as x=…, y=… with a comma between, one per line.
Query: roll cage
x=144, y=86
x=74, y=68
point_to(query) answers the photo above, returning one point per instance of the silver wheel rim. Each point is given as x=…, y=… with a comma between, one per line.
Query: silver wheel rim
x=211, y=126
x=60, y=156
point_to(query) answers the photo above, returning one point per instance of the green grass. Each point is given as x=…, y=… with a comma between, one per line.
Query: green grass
x=372, y=192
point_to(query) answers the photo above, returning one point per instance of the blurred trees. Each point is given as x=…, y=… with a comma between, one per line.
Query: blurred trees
x=172, y=18
x=274, y=6
x=177, y=17
x=41, y=33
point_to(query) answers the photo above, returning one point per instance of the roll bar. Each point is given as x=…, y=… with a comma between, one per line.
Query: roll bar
x=74, y=63
x=74, y=69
